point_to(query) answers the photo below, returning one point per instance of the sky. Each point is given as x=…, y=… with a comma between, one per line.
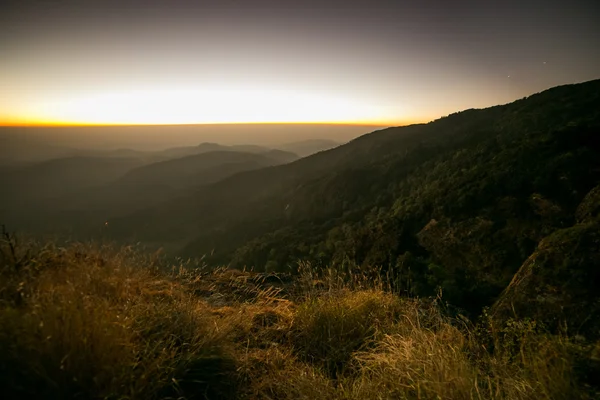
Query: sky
x=358, y=62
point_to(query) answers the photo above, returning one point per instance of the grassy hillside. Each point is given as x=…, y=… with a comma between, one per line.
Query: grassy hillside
x=96, y=322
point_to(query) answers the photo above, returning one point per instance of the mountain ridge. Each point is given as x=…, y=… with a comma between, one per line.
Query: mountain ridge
x=365, y=202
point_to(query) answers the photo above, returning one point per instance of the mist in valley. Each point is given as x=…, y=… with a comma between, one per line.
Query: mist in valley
x=71, y=181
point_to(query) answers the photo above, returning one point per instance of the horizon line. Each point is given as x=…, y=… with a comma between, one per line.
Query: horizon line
x=102, y=125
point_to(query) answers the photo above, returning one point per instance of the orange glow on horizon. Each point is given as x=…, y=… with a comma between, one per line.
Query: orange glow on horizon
x=34, y=123
x=160, y=106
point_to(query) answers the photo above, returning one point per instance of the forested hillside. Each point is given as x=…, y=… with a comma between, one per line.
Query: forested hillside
x=459, y=203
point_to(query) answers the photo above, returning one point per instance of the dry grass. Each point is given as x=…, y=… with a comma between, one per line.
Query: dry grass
x=88, y=321
x=328, y=330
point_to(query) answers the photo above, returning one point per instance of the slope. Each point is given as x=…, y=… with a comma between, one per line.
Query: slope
x=493, y=182
x=201, y=168
x=34, y=191
x=308, y=147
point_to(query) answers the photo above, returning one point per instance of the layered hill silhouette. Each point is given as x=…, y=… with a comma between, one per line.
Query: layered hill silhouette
x=206, y=147
x=459, y=203
x=68, y=194
x=64, y=175
x=202, y=168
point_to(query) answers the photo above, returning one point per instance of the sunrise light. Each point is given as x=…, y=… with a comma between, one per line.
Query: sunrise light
x=203, y=106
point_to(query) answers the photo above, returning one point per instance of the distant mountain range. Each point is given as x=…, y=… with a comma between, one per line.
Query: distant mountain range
x=57, y=193
x=16, y=150
x=204, y=167
x=61, y=193
x=307, y=147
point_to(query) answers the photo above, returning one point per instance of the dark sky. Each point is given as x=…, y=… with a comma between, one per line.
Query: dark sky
x=387, y=62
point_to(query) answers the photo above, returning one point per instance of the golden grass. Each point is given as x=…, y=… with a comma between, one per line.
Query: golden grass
x=88, y=321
